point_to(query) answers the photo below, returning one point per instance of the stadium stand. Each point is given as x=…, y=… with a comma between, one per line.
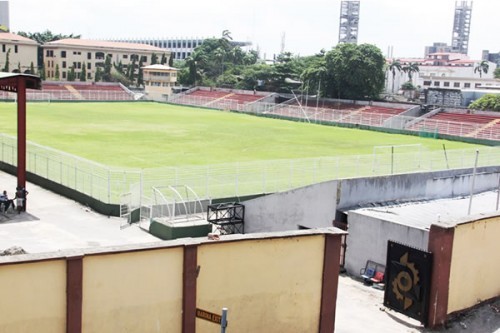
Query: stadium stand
x=82, y=91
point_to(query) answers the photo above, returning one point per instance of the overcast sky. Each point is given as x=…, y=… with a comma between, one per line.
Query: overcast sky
x=309, y=26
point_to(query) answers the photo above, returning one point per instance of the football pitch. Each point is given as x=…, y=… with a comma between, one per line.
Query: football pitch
x=149, y=135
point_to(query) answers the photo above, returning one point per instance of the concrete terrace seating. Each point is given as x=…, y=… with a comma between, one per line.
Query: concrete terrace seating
x=84, y=91
x=461, y=124
x=244, y=98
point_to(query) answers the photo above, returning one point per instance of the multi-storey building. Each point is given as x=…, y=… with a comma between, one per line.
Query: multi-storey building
x=181, y=48
x=20, y=51
x=65, y=54
x=447, y=71
x=461, y=27
x=159, y=81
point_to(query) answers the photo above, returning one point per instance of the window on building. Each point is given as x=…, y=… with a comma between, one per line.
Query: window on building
x=144, y=59
x=125, y=56
x=3, y=47
x=189, y=44
x=15, y=48
x=466, y=85
x=89, y=66
x=63, y=54
x=79, y=65
x=446, y=84
x=49, y=53
x=89, y=55
x=99, y=55
x=64, y=64
x=456, y=85
x=477, y=85
x=437, y=83
x=427, y=83
x=89, y=76
x=63, y=75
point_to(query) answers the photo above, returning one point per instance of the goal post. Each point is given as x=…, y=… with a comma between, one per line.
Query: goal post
x=397, y=158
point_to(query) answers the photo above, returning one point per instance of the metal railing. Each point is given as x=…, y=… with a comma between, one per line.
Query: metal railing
x=232, y=179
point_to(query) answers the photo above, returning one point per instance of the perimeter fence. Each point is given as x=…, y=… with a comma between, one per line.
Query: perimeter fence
x=232, y=179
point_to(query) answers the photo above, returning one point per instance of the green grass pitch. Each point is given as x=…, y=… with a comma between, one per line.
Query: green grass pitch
x=145, y=135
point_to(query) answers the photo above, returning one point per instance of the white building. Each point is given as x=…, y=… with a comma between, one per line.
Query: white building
x=22, y=53
x=159, y=81
x=443, y=70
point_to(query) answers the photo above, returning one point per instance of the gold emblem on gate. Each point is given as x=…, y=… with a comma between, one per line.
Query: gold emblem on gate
x=405, y=281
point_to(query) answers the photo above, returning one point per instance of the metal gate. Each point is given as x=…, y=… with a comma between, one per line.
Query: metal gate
x=408, y=272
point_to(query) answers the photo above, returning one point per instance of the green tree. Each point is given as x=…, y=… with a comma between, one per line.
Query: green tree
x=410, y=69
x=355, y=72
x=71, y=74
x=32, y=68
x=19, y=67
x=154, y=59
x=489, y=102
x=98, y=74
x=394, y=66
x=41, y=72
x=170, y=61
x=140, y=75
x=482, y=67
x=58, y=74
x=497, y=73
x=163, y=60
x=195, y=62
x=7, y=62
x=83, y=73
x=131, y=69
x=106, y=76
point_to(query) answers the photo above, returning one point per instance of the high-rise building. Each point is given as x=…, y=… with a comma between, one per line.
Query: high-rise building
x=4, y=16
x=461, y=27
x=349, y=21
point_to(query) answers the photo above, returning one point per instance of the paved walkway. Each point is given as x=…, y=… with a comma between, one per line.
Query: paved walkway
x=53, y=223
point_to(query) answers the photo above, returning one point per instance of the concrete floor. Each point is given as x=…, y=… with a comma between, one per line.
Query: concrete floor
x=53, y=223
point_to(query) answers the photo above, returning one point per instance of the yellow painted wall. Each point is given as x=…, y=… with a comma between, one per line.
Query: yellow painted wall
x=271, y=285
x=133, y=292
x=475, y=266
x=33, y=297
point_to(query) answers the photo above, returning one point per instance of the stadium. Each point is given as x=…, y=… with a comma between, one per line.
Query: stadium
x=293, y=162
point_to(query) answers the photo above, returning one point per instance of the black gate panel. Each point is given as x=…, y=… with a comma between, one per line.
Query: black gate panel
x=408, y=273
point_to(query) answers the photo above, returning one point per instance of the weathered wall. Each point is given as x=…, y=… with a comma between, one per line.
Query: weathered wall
x=33, y=297
x=133, y=292
x=368, y=236
x=311, y=207
x=278, y=282
x=415, y=186
x=475, y=269
x=242, y=277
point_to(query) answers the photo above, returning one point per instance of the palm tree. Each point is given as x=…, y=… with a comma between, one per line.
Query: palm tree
x=411, y=68
x=482, y=67
x=394, y=67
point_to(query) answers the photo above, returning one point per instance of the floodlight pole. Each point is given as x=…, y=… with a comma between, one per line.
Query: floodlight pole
x=21, y=132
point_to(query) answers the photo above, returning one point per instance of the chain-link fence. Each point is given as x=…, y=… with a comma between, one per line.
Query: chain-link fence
x=233, y=179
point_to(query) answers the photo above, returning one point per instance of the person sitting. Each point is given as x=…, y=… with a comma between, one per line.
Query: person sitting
x=6, y=202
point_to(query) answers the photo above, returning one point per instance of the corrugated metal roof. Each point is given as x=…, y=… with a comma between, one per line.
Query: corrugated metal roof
x=105, y=45
x=424, y=213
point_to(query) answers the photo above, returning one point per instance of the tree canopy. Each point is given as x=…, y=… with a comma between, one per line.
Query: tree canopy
x=489, y=102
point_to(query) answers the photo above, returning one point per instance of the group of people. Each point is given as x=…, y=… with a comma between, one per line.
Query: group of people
x=19, y=200
x=5, y=202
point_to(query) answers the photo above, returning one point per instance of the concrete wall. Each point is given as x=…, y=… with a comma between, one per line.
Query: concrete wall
x=33, y=297
x=241, y=276
x=475, y=269
x=279, y=282
x=133, y=291
x=311, y=207
x=368, y=236
x=315, y=206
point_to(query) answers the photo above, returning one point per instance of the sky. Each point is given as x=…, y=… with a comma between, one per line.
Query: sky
x=307, y=26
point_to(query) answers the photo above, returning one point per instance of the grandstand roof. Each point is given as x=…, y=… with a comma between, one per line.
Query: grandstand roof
x=423, y=214
x=98, y=44
x=8, y=36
